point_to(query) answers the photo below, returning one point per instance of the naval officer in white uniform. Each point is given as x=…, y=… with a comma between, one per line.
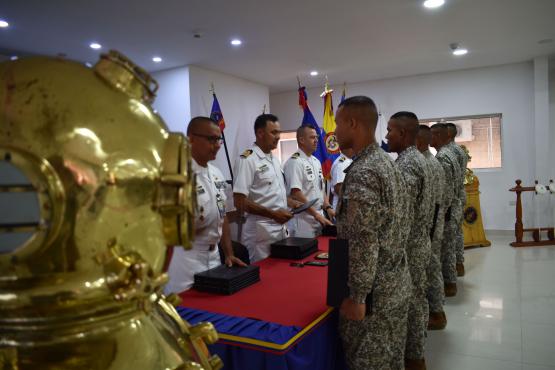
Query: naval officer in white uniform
x=259, y=191
x=211, y=225
x=305, y=181
x=338, y=175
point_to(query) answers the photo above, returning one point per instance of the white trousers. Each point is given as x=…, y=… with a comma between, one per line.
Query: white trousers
x=186, y=263
x=257, y=235
x=304, y=225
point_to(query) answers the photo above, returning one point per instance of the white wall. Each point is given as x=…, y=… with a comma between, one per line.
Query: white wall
x=241, y=102
x=173, y=100
x=507, y=89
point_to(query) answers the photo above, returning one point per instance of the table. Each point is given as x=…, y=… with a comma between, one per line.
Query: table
x=280, y=323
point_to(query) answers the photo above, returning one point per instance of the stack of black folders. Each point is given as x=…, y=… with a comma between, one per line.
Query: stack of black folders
x=226, y=280
x=294, y=248
x=338, y=275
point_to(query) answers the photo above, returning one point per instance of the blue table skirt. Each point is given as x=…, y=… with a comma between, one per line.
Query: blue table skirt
x=247, y=344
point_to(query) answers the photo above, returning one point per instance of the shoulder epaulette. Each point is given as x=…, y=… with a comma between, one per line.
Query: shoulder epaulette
x=342, y=159
x=246, y=153
x=296, y=155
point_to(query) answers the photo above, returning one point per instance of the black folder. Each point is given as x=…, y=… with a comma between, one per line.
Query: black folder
x=226, y=280
x=329, y=230
x=294, y=248
x=338, y=275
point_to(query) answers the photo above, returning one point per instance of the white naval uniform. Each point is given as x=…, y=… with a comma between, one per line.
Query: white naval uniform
x=209, y=219
x=259, y=177
x=305, y=173
x=338, y=176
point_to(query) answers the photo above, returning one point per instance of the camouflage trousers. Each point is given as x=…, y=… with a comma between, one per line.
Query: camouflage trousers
x=459, y=251
x=449, y=244
x=419, y=253
x=436, y=291
x=378, y=341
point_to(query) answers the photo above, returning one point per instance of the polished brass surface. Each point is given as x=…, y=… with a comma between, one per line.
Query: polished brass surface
x=115, y=188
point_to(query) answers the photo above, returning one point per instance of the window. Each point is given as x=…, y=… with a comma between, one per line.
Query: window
x=286, y=147
x=481, y=135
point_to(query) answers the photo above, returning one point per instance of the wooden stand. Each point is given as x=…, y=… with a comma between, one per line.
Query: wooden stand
x=473, y=227
x=519, y=228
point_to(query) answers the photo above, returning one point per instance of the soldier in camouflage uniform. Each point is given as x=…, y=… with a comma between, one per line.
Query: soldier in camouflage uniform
x=372, y=216
x=462, y=160
x=448, y=161
x=436, y=294
x=401, y=138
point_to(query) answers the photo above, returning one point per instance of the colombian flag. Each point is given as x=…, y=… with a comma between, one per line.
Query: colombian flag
x=330, y=142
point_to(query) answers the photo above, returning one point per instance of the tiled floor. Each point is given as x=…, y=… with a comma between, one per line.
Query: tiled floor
x=504, y=314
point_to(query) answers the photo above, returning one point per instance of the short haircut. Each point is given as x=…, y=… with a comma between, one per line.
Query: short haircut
x=424, y=128
x=439, y=126
x=365, y=108
x=359, y=101
x=262, y=120
x=196, y=122
x=405, y=114
x=301, y=130
x=451, y=127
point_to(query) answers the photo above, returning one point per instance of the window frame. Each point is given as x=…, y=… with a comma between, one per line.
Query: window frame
x=477, y=116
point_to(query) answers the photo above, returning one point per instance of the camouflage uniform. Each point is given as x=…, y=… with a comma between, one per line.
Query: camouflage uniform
x=462, y=160
x=436, y=292
x=372, y=217
x=452, y=174
x=416, y=173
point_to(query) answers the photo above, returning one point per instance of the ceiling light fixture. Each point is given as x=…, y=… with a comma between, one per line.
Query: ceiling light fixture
x=430, y=4
x=236, y=42
x=4, y=24
x=457, y=49
x=95, y=45
x=89, y=65
x=314, y=73
x=14, y=57
x=156, y=59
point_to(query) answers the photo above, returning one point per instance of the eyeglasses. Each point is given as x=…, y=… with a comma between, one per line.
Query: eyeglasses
x=211, y=139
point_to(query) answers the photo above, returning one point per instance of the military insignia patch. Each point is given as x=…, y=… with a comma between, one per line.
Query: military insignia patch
x=296, y=155
x=246, y=153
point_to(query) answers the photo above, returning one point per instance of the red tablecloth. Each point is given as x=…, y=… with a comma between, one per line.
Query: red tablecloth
x=286, y=295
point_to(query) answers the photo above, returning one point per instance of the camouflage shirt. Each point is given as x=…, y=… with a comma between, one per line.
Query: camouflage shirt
x=438, y=178
x=450, y=165
x=418, y=180
x=372, y=217
x=462, y=161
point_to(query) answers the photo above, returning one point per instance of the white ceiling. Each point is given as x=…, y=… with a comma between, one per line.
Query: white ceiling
x=349, y=40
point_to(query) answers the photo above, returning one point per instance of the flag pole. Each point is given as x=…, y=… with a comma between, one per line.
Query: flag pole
x=213, y=91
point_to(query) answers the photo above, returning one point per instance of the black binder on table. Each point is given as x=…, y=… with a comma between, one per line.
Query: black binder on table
x=329, y=230
x=294, y=248
x=226, y=280
x=338, y=275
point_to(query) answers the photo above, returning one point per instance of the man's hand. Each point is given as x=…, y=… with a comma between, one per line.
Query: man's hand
x=322, y=220
x=232, y=260
x=281, y=216
x=351, y=310
x=331, y=213
x=293, y=203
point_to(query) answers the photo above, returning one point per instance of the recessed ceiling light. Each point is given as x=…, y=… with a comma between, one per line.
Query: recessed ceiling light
x=314, y=73
x=460, y=51
x=13, y=57
x=4, y=24
x=88, y=64
x=156, y=59
x=236, y=42
x=95, y=45
x=430, y=4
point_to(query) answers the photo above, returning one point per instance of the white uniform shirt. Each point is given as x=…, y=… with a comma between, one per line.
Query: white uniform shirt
x=305, y=173
x=209, y=219
x=338, y=176
x=259, y=177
